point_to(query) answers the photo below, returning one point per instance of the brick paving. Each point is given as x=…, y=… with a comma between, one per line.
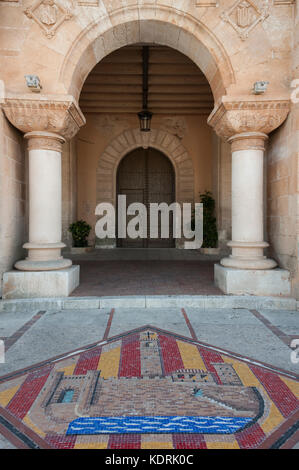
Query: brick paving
x=146, y=277
x=150, y=389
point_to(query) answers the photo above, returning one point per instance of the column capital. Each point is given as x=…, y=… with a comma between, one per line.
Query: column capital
x=52, y=114
x=234, y=116
x=248, y=141
x=40, y=140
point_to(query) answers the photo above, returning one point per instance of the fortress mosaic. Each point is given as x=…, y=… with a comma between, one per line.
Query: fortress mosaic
x=151, y=389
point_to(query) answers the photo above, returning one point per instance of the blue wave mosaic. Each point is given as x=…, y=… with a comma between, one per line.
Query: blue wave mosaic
x=157, y=424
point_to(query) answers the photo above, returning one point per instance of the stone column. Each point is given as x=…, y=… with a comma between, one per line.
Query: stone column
x=245, y=124
x=47, y=122
x=247, y=203
x=44, y=246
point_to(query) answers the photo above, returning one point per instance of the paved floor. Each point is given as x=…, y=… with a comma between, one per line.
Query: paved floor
x=254, y=347
x=147, y=277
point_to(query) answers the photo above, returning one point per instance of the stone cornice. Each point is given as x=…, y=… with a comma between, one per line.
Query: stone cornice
x=59, y=114
x=235, y=116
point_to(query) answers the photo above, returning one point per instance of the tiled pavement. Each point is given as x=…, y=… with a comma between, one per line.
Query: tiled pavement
x=151, y=272
x=149, y=378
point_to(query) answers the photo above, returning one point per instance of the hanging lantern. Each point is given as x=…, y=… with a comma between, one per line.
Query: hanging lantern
x=145, y=118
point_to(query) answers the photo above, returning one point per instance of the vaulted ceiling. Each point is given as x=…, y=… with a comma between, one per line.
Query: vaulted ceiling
x=176, y=84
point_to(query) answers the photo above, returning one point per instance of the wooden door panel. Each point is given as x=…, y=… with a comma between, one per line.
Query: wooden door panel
x=147, y=176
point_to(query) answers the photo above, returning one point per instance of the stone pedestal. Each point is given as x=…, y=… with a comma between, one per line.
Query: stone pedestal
x=22, y=285
x=261, y=282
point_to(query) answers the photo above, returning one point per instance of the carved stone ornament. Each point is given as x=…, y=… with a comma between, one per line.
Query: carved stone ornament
x=245, y=15
x=49, y=15
x=174, y=125
x=62, y=117
x=235, y=117
x=44, y=140
x=108, y=125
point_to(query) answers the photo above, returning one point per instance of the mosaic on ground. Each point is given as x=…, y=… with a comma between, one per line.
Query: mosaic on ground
x=150, y=389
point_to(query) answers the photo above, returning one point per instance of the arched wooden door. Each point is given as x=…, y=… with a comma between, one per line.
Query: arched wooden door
x=147, y=176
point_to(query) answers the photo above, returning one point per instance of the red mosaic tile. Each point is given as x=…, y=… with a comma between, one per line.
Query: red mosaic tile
x=279, y=392
x=250, y=438
x=61, y=442
x=28, y=392
x=132, y=441
x=130, y=357
x=88, y=361
x=171, y=356
x=210, y=357
x=189, y=441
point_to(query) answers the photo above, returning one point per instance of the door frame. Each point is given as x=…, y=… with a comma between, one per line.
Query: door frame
x=129, y=140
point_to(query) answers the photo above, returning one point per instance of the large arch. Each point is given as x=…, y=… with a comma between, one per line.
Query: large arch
x=132, y=139
x=153, y=25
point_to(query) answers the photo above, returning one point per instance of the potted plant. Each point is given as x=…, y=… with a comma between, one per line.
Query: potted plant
x=80, y=231
x=210, y=233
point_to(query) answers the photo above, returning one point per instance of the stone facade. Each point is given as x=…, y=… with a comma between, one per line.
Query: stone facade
x=12, y=195
x=234, y=44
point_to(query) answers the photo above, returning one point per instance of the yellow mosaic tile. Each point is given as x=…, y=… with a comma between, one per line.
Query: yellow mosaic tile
x=190, y=356
x=109, y=363
x=7, y=395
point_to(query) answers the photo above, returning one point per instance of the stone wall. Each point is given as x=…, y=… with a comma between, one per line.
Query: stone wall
x=282, y=195
x=283, y=186
x=12, y=195
x=69, y=189
x=222, y=183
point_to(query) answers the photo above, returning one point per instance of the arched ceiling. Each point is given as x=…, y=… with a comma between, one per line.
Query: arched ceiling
x=176, y=84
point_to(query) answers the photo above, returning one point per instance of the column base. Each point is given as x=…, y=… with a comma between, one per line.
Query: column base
x=43, y=257
x=262, y=263
x=53, y=265
x=27, y=285
x=273, y=282
x=248, y=255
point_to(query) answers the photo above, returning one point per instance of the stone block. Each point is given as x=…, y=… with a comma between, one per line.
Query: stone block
x=272, y=282
x=172, y=301
x=38, y=284
x=86, y=303
x=123, y=302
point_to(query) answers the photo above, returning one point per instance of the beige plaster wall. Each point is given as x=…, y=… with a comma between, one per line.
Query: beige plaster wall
x=12, y=196
x=101, y=130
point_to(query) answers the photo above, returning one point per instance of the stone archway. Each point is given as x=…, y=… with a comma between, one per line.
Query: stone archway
x=131, y=139
x=158, y=24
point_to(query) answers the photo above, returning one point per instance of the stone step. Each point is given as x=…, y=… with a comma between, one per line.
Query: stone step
x=181, y=301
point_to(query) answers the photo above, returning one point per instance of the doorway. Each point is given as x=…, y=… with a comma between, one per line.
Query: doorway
x=147, y=176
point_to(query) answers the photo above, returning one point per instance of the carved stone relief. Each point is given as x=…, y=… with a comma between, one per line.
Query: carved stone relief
x=49, y=15
x=174, y=125
x=60, y=117
x=245, y=15
x=231, y=118
x=108, y=125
